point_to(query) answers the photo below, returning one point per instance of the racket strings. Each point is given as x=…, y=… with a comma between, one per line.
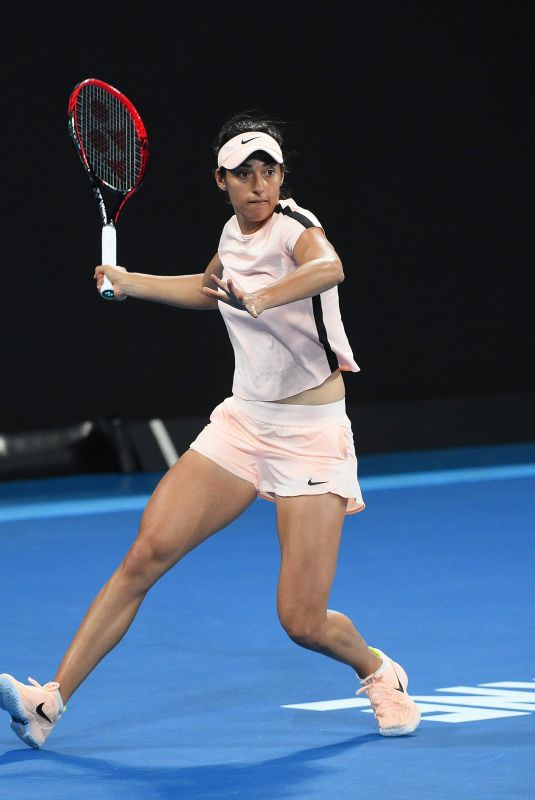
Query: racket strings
x=109, y=138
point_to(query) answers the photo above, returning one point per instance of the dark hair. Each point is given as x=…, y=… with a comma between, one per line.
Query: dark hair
x=253, y=120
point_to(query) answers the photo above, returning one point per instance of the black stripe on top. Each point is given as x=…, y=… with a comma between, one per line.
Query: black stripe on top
x=316, y=301
x=305, y=221
x=322, y=332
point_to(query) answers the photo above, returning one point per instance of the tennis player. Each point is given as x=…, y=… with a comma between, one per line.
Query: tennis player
x=282, y=435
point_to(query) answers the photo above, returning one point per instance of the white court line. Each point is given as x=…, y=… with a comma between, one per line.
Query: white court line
x=445, y=476
x=70, y=508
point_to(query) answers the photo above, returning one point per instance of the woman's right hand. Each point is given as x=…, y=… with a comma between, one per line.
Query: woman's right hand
x=114, y=274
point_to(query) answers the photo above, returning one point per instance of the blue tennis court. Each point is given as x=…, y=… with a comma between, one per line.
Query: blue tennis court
x=207, y=698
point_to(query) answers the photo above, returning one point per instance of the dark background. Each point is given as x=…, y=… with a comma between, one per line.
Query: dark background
x=411, y=131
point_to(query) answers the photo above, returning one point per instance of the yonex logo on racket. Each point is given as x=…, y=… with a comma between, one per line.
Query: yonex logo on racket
x=110, y=137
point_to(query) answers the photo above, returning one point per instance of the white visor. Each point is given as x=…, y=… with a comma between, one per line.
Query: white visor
x=236, y=150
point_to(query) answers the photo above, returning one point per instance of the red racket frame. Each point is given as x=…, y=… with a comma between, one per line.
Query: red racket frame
x=75, y=135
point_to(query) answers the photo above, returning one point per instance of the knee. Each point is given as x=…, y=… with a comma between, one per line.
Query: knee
x=140, y=563
x=301, y=625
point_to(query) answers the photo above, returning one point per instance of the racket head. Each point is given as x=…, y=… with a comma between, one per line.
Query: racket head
x=109, y=136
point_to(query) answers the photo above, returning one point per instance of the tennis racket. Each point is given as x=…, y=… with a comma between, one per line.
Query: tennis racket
x=111, y=140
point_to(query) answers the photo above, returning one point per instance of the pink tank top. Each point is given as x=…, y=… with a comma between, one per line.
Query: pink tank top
x=289, y=348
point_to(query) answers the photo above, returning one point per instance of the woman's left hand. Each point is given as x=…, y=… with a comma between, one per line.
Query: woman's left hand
x=229, y=292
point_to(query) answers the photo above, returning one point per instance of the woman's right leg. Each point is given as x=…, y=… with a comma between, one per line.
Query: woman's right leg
x=194, y=500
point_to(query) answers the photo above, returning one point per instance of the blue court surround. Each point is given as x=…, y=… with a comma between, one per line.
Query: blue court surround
x=438, y=571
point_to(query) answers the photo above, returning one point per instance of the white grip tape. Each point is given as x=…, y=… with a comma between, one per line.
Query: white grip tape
x=109, y=256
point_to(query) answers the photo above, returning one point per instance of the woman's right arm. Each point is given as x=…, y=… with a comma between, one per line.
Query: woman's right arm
x=184, y=291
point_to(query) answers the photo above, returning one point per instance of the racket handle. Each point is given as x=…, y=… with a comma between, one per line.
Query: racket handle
x=109, y=256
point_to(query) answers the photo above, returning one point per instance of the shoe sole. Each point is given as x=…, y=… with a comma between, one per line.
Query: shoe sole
x=10, y=701
x=24, y=735
x=402, y=731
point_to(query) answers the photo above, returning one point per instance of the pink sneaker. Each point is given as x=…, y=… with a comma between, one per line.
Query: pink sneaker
x=34, y=709
x=396, y=713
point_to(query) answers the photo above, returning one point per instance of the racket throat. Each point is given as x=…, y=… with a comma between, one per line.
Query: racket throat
x=100, y=201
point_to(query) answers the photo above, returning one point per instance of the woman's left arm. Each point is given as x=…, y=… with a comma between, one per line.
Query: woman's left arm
x=318, y=268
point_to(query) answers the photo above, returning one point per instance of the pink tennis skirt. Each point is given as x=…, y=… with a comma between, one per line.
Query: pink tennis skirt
x=286, y=450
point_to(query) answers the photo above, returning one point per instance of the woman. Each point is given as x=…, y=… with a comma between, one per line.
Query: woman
x=283, y=435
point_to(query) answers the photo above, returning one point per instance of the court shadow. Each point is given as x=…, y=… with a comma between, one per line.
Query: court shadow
x=282, y=777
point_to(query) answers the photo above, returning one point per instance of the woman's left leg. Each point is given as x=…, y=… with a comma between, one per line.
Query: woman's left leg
x=310, y=529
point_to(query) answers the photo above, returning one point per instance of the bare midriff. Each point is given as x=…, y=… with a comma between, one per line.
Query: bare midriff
x=330, y=391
